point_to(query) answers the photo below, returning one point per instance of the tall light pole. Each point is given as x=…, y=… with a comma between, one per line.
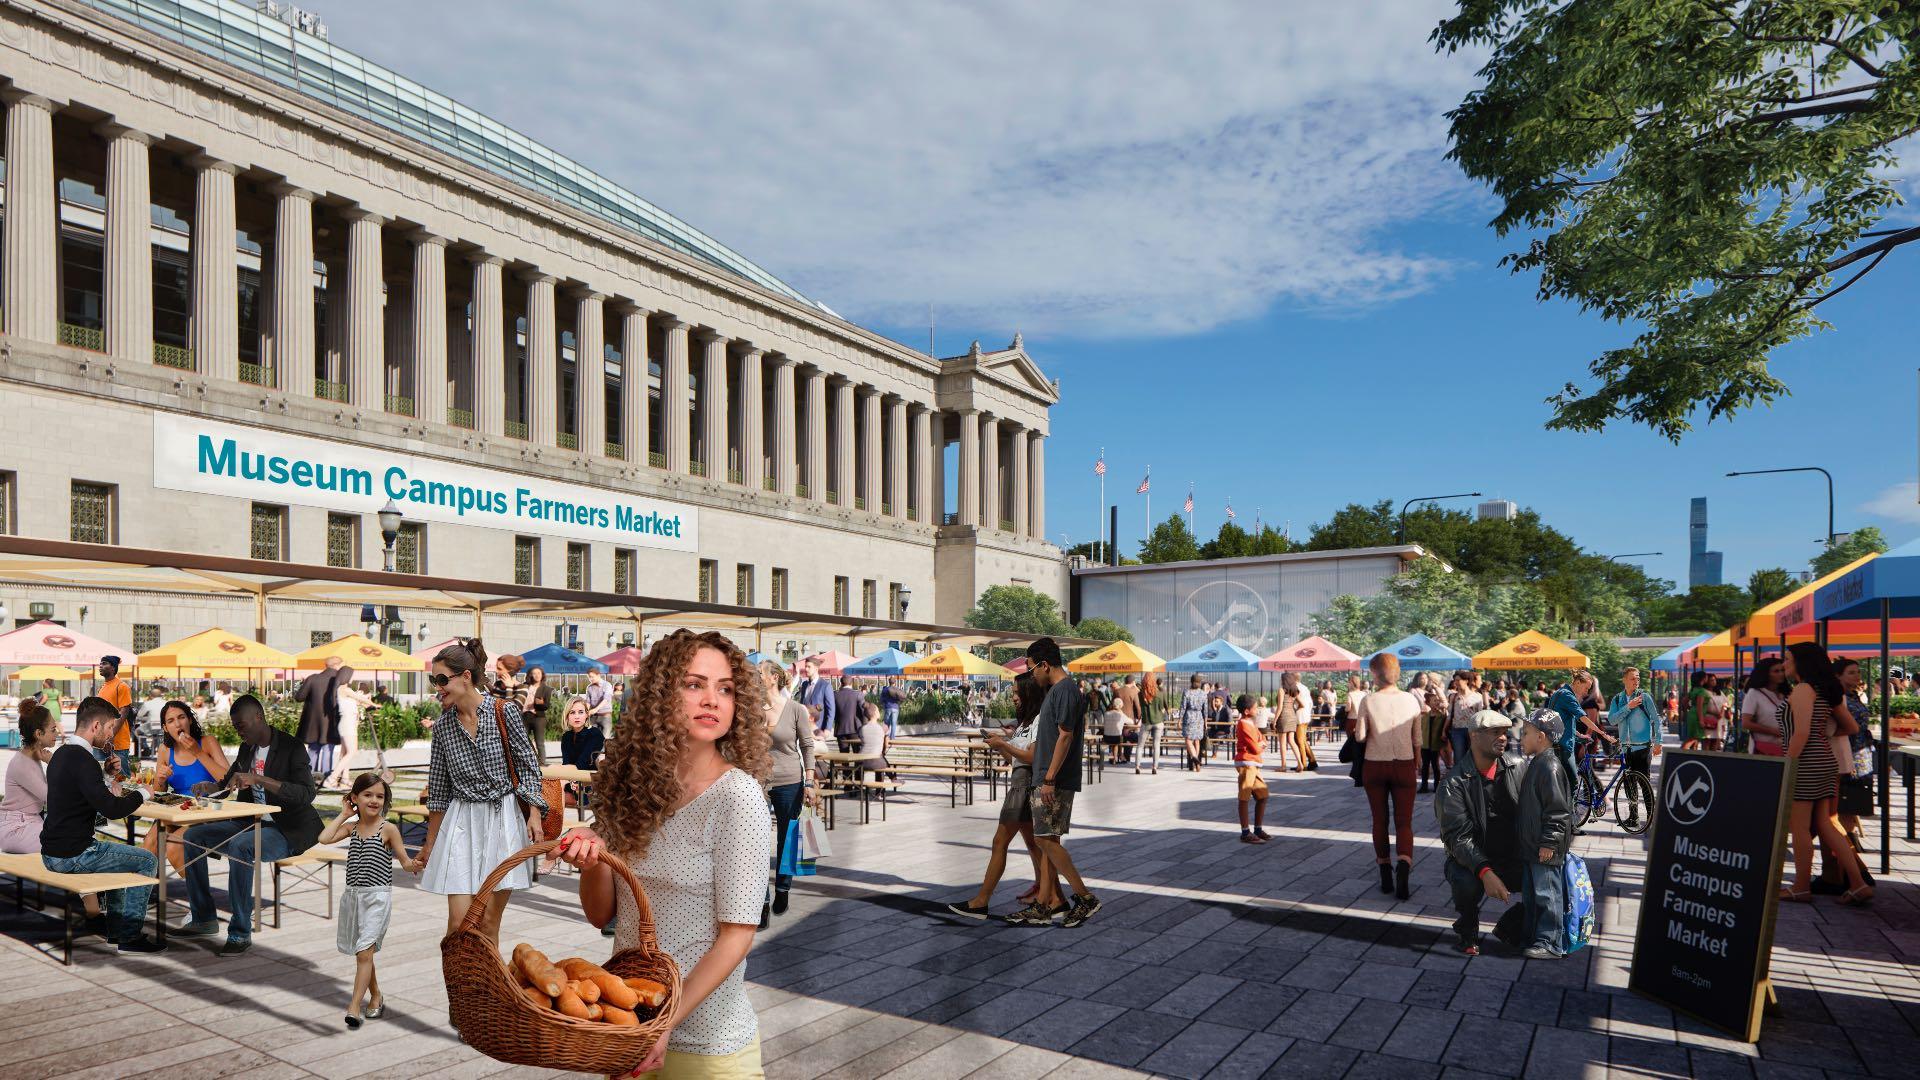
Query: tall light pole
x=1427, y=498
x=1802, y=468
x=389, y=516
x=1634, y=555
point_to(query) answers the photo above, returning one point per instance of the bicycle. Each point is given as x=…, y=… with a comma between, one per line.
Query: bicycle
x=1629, y=790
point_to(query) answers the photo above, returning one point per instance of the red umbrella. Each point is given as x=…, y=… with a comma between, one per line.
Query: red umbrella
x=833, y=661
x=624, y=660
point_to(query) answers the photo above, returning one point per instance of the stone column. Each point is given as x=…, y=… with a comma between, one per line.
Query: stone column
x=842, y=484
x=817, y=435
x=397, y=368
x=676, y=405
x=753, y=455
x=429, y=327
x=716, y=409
x=590, y=372
x=634, y=421
x=216, y=271
x=543, y=362
x=366, y=299
x=1037, y=485
x=869, y=444
x=969, y=467
x=1017, y=459
x=129, y=243
x=896, y=481
x=489, y=347
x=30, y=293
x=923, y=464
x=293, y=340
x=785, y=461
x=334, y=368
x=989, y=472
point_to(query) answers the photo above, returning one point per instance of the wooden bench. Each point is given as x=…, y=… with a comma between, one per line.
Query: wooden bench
x=935, y=763
x=306, y=869
x=869, y=791
x=25, y=868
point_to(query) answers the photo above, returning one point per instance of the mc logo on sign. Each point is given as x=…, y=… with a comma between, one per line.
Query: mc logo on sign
x=1689, y=792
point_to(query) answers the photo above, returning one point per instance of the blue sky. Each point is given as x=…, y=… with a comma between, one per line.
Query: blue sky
x=1228, y=229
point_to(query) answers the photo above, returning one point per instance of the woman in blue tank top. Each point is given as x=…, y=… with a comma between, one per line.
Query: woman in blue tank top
x=187, y=756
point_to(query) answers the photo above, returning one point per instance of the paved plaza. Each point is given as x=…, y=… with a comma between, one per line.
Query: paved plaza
x=1210, y=958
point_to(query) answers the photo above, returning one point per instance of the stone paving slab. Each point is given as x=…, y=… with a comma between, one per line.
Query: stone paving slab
x=1208, y=959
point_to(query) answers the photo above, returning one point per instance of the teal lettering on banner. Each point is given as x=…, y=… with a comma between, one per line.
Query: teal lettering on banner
x=227, y=459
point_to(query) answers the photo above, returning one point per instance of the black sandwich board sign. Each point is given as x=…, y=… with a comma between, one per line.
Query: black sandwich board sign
x=1713, y=876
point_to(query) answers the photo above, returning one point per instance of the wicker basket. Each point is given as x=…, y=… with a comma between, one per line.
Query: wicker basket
x=491, y=1014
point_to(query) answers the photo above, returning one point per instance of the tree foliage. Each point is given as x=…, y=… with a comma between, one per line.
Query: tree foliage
x=1866, y=540
x=1099, y=629
x=1429, y=599
x=1703, y=609
x=1233, y=542
x=1018, y=608
x=1707, y=171
x=1170, y=541
x=1766, y=586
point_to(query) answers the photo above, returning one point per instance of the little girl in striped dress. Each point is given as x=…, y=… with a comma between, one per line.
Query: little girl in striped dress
x=368, y=899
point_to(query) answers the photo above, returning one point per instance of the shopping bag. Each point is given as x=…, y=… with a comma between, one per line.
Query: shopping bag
x=1581, y=909
x=790, y=851
x=813, y=836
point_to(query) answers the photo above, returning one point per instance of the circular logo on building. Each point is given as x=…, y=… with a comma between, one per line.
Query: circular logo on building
x=57, y=641
x=1689, y=792
x=1226, y=610
x=233, y=646
x=1526, y=648
x=1411, y=650
x=1306, y=653
x=369, y=650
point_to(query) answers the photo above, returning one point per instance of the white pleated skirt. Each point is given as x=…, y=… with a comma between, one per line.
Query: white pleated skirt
x=473, y=839
x=364, y=911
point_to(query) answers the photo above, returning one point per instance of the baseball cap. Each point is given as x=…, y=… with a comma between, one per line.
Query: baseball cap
x=1547, y=721
x=1488, y=720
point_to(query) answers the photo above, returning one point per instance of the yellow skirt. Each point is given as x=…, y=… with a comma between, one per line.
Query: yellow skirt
x=742, y=1064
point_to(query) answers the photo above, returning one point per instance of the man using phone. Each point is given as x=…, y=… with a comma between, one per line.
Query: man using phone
x=1637, y=719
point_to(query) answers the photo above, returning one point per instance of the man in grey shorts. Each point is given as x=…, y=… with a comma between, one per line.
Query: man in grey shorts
x=1059, y=738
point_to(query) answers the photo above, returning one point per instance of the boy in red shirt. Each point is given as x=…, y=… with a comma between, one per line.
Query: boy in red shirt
x=1248, y=742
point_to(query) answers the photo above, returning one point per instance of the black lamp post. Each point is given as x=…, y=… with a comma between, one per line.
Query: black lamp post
x=1634, y=555
x=1428, y=498
x=1802, y=468
x=389, y=530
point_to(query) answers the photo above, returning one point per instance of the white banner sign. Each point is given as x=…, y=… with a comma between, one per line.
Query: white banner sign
x=213, y=458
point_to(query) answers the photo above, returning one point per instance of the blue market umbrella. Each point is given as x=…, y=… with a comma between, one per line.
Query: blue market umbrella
x=885, y=662
x=1418, y=652
x=556, y=660
x=1217, y=655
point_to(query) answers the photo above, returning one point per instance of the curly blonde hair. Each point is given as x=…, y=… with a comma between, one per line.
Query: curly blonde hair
x=639, y=786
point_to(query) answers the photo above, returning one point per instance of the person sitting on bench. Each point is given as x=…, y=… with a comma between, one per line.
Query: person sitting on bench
x=76, y=791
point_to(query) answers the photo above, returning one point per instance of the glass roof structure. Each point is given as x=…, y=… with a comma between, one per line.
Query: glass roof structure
x=258, y=42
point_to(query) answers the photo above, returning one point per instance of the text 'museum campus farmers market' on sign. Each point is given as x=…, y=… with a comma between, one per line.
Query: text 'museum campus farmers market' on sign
x=212, y=458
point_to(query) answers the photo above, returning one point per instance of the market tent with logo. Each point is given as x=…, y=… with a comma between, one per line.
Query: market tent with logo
x=833, y=661
x=1311, y=654
x=359, y=653
x=50, y=643
x=558, y=660
x=1218, y=655
x=883, y=663
x=1119, y=658
x=956, y=663
x=34, y=673
x=1530, y=650
x=1418, y=652
x=213, y=654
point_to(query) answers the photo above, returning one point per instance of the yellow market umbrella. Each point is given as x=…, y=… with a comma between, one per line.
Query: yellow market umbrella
x=41, y=672
x=951, y=662
x=213, y=651
x=1530, y=650
x=1119, y=658
x=360, y=654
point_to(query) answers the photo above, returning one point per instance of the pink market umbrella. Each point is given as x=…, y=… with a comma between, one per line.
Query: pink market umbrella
x=1016, y=665
x=624, y=660
x=833, y=661
x=50, y=643
x=1314, y=654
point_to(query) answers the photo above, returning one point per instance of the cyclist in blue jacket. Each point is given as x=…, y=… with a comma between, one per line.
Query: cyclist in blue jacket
x=1636, y=717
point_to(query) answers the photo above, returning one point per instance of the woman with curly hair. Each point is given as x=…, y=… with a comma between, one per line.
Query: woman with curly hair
x=681, y=802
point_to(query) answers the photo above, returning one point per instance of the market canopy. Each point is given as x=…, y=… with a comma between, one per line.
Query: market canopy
x=1119, y=658
x=1715, y=654
x=1531, y=650
x=952, y=663
x=1670, y=660
x=559, y=660
x=833, y=661
x=626, y=659
x=1855, y=597
x=1312, y=654
x=1766, y=627
x=1418, y=652
x=885, y=662
x=43, y=672
x=50, y=643
x=1217, y=655
x=213, y=654
x=360, y=654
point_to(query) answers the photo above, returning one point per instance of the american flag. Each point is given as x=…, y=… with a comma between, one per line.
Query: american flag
x=1145, y=482
x=1100, y=467
x=1230, y=512
x=1189, y=507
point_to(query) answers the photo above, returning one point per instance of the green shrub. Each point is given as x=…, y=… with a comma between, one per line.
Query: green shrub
x=933, y=709
x=1001, y=708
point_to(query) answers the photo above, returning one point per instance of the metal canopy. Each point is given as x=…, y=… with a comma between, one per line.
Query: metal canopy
x=106, y=566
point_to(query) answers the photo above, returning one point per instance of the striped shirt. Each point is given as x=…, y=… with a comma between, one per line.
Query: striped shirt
x=369, y=863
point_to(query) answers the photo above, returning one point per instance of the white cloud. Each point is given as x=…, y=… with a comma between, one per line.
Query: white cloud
x=1901, y=503
x=1115, y=168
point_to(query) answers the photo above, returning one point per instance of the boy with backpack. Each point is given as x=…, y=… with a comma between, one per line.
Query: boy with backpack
x=1545, y=825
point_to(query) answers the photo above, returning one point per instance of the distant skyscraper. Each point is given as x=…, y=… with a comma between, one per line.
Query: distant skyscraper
x=1703, y=566
x=1498, y=510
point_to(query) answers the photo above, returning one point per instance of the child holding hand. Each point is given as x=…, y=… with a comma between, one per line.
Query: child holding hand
x=367, y=901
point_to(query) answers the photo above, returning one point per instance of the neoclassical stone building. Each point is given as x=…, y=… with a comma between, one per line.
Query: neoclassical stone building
x=229, y=243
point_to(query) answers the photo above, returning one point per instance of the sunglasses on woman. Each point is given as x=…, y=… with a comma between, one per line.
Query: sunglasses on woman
x=439, y=680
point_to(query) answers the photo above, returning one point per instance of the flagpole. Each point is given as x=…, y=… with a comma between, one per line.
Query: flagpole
x=1149, y=529
x=1099, y=517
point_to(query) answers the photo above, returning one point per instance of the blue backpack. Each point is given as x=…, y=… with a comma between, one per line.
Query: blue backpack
x=1580, y=906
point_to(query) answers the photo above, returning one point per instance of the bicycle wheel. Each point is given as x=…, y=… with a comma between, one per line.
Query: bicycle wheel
x=1633, y=802
x=1586, y=798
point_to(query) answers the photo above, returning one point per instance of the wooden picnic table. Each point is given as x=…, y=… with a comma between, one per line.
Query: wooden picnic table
x=167, y=818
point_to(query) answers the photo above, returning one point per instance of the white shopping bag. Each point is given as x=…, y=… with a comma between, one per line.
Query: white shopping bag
x=813, y=836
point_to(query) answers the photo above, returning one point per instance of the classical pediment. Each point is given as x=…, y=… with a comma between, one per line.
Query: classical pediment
x=1010, y=365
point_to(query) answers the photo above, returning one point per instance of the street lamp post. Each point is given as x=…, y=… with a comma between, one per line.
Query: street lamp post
x=389, y=530
x=1635, y=555
x=1802, y=468
x=1427, y=498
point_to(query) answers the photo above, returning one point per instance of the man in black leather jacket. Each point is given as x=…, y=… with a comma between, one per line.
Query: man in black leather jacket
x=1477, y=805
